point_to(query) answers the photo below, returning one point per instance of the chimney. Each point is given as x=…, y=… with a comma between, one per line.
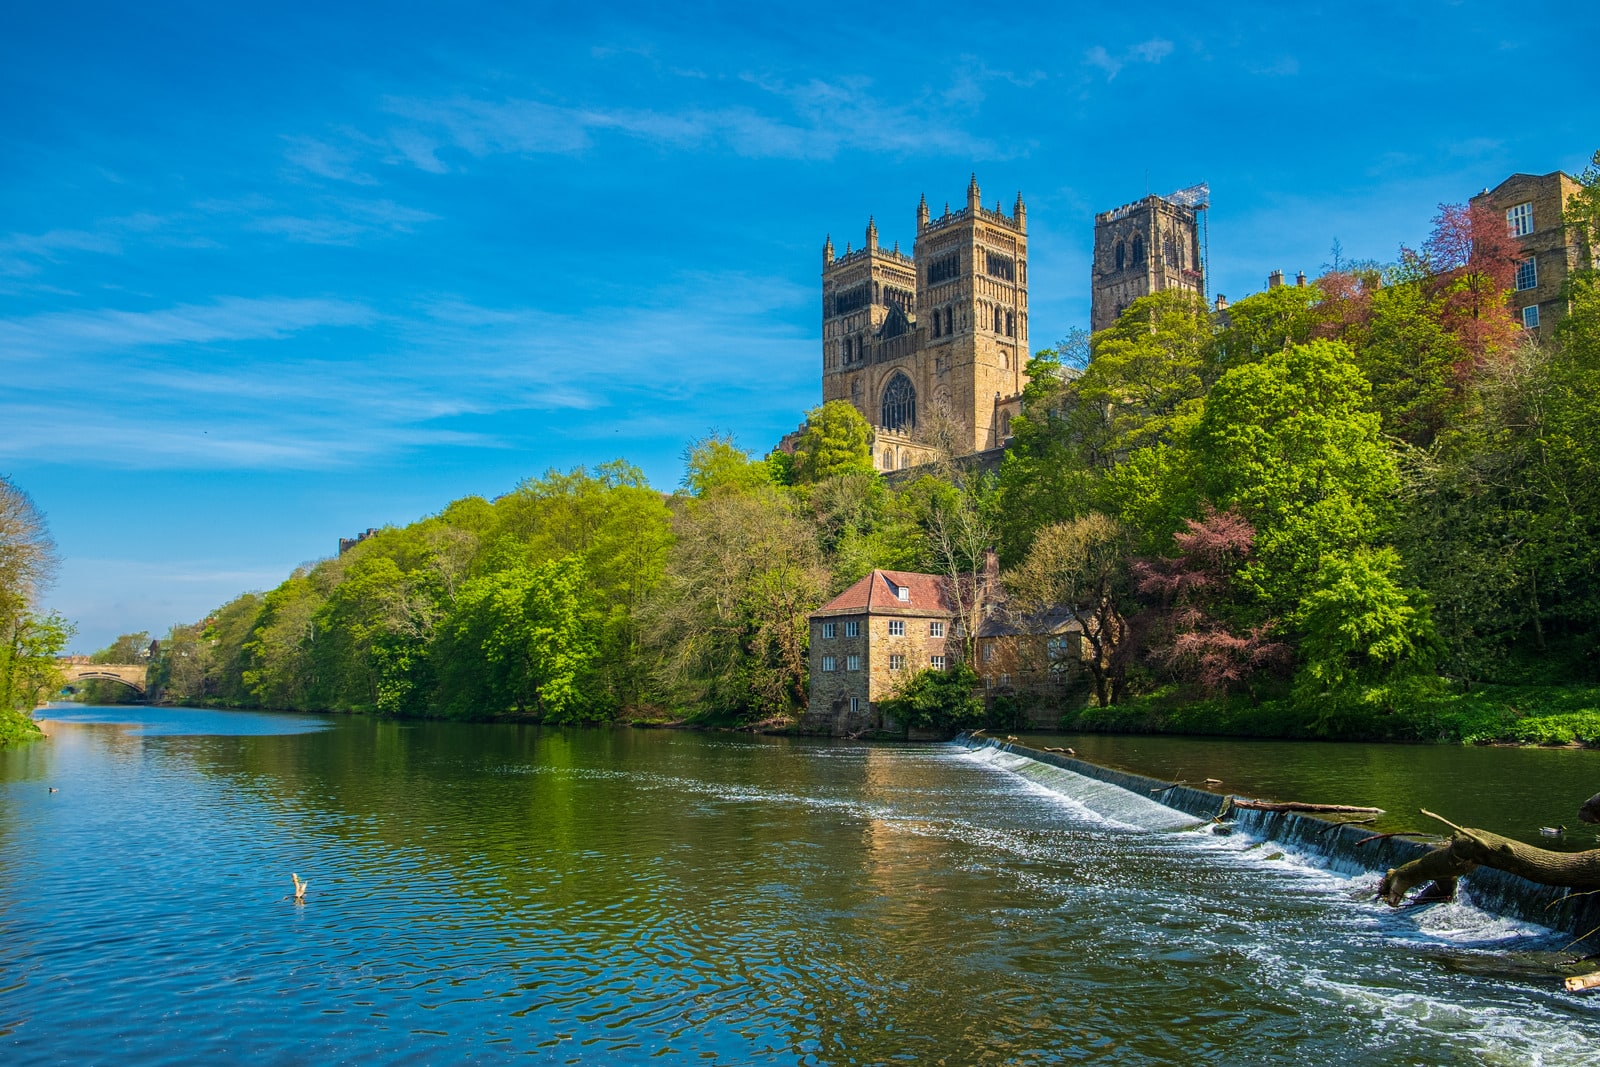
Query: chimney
x=1222, y=302
x=1275, y=279
x=1300, y=280
x=991, y=566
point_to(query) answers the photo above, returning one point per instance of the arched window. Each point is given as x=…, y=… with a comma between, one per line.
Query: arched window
x=1120, y=251
x=905, y=459
x=1011, y=324
x=997, y=320
x=947, y=320
x=1138, y=250
x=899, y=409
x=936, y=322
x=888, y=459
x=1005, y=425
x=1170, y=249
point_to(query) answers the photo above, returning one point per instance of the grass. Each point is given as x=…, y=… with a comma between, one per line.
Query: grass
x=1487, y=714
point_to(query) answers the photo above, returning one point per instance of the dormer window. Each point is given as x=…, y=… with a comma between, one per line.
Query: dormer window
x=902, y=592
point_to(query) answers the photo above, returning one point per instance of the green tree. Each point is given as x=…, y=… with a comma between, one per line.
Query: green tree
x=836, y=440
x=1359, y=625
x=715, y=462
x=936, y=700
x=29, y=642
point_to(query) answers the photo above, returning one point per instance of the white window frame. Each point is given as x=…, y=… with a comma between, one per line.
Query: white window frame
x=897, y=662
x=1530, y=317
x=936, y=629
x=852, y=629
x=1519, y=219
x=902, y=592
x=852, y=663
x=1531, y=266
x=829, y=663
x=829, y=630
x=897, y=627
x=936, y=662
x=855, y=704
x=988, y=652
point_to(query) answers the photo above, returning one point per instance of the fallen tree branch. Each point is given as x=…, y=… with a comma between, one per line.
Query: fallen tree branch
x=1262, y=805
x=1392, y=833
x=1469, y=848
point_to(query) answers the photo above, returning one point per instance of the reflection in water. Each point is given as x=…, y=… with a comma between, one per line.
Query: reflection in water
x=487, y=892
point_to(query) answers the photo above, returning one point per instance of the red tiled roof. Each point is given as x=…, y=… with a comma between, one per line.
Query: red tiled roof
x=877, y=593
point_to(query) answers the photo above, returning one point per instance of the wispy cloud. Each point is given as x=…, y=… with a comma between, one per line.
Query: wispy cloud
x=1152, y=51
x=443, y=373
x=22, y=253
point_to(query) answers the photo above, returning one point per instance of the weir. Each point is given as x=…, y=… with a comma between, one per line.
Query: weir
x=1128, y=798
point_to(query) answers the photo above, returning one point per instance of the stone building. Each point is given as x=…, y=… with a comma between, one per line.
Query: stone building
x=1533, y=206
x=1036, y=656
x=884, y=628
x=935, y=341
x=1146, y=247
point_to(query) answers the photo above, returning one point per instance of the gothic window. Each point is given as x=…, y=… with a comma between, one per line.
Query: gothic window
x=1170, y=248
x=847, y=351
x=899, y=404
x=944, y=268
x=997, y=320
x=888, y=459
x=1121, y=255
x=948, y=329
x=1001, y=266
x=1005, y=425
x=1011, y=324
x=1138, y=250
x=936, y=322
x=852, y=300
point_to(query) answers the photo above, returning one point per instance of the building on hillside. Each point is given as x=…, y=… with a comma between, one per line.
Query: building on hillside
x=1533, y=206
x=933, y=344
x=865, y=641
x=1148, y=246
x=1036, y=656
x=347, y=543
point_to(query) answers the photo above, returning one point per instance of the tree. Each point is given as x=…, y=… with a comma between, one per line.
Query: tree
x=1199, y=635
x=29, y=642
x=729, y=619
x=1360, y=625
x=715, y=462
x=1469, y=263
x=836, y=440
x=1082, y=566
x=935, y=699
x=1150, y=369
x=962, y=524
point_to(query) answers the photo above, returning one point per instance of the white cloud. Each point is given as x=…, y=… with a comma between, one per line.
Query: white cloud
x=1152, y=51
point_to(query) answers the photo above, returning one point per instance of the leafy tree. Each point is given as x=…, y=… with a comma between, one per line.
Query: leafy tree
x=715, y=462
x=1290, y=444
x=1359, y=625
x=1270, y=321
x=29, y=642
x=729, y=619
x=534, y=631
x=836, y=440
x=1082, y=566
x=1202, y=634
x=936, y=700
x=1150, y=370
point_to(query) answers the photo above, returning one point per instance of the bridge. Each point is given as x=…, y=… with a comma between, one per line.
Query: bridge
x=82, y=669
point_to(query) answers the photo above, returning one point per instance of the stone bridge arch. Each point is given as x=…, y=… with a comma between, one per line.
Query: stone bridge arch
x=78, y=669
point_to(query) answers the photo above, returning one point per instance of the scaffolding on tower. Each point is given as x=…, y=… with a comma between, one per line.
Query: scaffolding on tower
x=1197, y=198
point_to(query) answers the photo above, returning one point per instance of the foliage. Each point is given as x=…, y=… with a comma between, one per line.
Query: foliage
x=29, y=641
x=836, y=440
x=937, y=700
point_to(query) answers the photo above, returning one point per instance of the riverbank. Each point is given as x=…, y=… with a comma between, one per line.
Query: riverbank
x=1487, y=714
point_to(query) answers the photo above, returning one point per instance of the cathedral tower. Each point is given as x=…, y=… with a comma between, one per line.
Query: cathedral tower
x=937, y=337
x=1145, y=247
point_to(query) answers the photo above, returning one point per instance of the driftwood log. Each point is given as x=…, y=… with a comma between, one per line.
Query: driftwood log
x=1469, y=849
x=1327, y=809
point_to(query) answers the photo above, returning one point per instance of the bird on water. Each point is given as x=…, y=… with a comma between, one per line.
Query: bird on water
x=299, y=888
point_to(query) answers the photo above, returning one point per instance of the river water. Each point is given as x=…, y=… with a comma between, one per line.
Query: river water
x=490, y=894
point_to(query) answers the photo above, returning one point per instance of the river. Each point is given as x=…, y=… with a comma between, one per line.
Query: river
x=496, y=893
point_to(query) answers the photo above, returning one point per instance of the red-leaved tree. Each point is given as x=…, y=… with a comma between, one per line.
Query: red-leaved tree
x=1470, y=265
x=1187, y=594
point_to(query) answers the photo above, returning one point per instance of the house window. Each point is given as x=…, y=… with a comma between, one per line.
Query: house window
x=855, y=704
x=1005, y=680
x=852, y=629
x=936, y=629
x=852, y=663
x=902, y=592
x=1527, y=274
x=829, y=630
x=1530, y=316
x=829, y=663
x=936, y=662
x=1519, y=220
x=988, y=652
x=897, y=662
x=897, y=627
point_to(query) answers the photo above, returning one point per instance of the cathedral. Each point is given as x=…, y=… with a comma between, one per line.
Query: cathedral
x=931, y=346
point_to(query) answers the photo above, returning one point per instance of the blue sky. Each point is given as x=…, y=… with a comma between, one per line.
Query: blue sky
x=273, y=274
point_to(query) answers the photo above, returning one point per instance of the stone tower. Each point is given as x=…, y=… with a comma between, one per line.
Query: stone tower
x=1145, y=247
x=938, y=336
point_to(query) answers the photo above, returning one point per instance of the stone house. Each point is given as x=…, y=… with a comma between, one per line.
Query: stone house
x=1533, y=206
x=865, y=641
